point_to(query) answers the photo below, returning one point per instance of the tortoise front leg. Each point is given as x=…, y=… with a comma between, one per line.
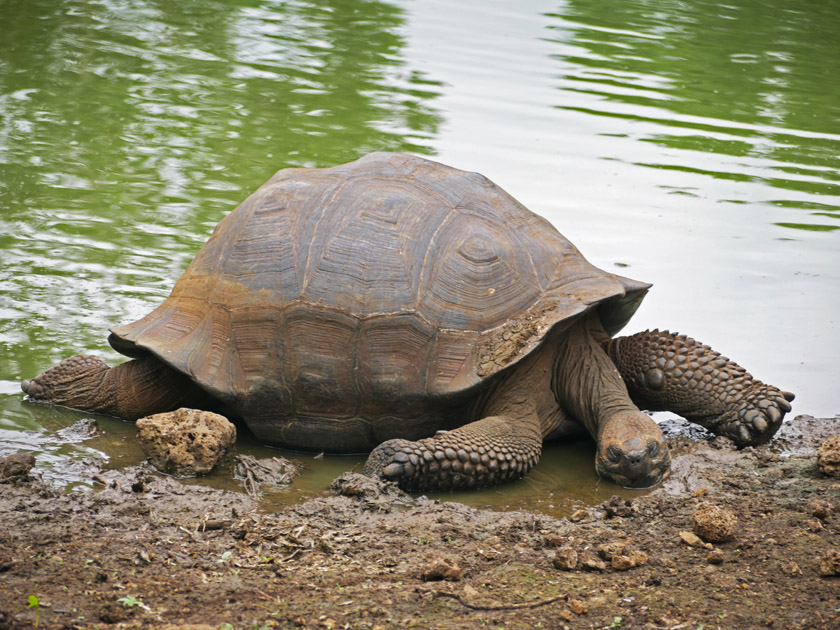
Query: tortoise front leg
x=669, y=372
x=489, y=451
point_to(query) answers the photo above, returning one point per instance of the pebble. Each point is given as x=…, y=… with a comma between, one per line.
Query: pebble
x=565, y=559
x=828, y=457
x=714, y=523
x=439, y=568
x=829, y=563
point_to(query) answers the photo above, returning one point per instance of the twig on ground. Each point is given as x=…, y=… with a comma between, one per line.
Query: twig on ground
x=519, y=606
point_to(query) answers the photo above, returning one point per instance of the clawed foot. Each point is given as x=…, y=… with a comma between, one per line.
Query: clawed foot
x=753, y=418
x=483, y=453
x=67, y=382
x=671, y=372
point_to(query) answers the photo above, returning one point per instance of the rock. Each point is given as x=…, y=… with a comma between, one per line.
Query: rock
x=620, y=556
x=820, y=508
x=715, y=557
x=828, y=457
x=565, y=559
x=553, y=540
x=610, y=549
x=578, y=607
x=714, y=523
x=622, y=563
x=578, y=515
x=185, y=442
x=439, y=568
x=617, y=506
x=16, y=467
x=829, y=563
x=692, y=540
x=593, y=563
x=792, y=569
x=630, y=560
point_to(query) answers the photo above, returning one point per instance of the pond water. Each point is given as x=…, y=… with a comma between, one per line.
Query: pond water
x=692, y=145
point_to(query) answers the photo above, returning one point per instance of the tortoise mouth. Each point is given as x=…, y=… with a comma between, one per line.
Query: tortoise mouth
x=640, y=483
x=634, y=470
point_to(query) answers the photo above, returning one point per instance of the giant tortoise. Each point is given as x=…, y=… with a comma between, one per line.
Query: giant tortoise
x=400, y=305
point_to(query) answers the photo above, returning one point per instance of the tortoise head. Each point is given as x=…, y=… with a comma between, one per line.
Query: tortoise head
x=632, y=451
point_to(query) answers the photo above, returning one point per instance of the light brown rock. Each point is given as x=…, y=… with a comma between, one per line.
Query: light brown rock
x=438, y=568
x=828, y=457
x=185, y=442
x=693, y=540
x=829, y=563
x=714, y=523
x=565, y=559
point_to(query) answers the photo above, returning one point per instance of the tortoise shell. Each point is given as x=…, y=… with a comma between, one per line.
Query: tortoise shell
x=338, y=307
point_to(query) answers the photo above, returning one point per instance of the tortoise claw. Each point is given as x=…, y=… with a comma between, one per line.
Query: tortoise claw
x=755, y=417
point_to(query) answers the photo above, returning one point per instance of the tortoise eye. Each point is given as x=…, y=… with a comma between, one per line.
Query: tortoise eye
x=613, y=454
x=654, y=449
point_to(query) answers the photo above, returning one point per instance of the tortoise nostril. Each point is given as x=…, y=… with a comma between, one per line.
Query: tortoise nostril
x=635, y=458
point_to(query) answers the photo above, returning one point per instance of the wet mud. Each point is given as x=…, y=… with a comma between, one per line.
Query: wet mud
x=148, y=551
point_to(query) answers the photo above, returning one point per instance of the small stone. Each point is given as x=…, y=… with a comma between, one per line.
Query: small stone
x=622, y=563
x=617, y=506
x=700, y=492
x=715, y=557
x=578, y=607
x=553, y=540
x=829, y=563
x=610, y=549
x=828, y=457
x=593, y=563
x=714, y=523
x=16, y=467
x=791, y=569
x=578, y=516
x=439, y=568
x=692, y=540
x=185, y=442
x=820, y=508
x=621, y=557
x=565, y=559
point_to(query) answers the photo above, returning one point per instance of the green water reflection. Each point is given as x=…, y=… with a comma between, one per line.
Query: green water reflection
x=757, y=81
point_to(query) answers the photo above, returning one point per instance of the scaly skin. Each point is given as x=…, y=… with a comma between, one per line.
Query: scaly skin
x=487, y=452
x=670, y=372
x=130, y=390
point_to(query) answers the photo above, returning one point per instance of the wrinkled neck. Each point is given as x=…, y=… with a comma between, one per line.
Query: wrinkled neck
x=585, y=381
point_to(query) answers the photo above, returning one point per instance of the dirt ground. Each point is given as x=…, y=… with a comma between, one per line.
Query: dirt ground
x=149, y=552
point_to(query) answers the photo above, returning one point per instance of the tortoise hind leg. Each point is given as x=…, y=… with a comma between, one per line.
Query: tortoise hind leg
x=669, y=372
x=486, y=452
x=131, y=390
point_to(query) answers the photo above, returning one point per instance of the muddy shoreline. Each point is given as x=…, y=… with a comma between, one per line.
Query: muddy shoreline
x=148, y=551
